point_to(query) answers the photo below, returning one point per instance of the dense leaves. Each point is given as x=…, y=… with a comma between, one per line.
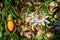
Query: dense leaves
x=18, y=10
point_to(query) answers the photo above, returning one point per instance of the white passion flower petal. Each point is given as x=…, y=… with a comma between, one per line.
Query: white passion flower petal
x=43, y=23
x=31, y=14
x=40, y=21
x=32, y=20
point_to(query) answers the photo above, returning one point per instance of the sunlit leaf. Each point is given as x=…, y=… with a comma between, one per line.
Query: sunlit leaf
x=39, y=38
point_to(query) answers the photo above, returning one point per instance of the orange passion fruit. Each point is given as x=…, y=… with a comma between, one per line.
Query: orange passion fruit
x=10, y=25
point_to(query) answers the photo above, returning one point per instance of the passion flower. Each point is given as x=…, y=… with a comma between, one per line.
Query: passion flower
x=38, y=18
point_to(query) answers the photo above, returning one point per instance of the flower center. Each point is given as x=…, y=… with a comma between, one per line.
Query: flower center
x=39, y=17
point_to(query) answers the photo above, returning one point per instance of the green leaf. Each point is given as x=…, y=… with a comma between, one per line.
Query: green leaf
x=5, y=24
x=0, y=18
x=36, y=1
x=12, y=14
x=47, y=1
x=17, y=2
x=7, y=1
x=43, y=28
x=15, y=37
x=46, y=38
x=43, y=7
x=7, y=9
x=23, y=38
x=14, y=11
x=39, y=37
x=14, y=31
x=2, y=13
x=1, y=39
x=26, y=9
x=21, y=0
x=0, y=30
